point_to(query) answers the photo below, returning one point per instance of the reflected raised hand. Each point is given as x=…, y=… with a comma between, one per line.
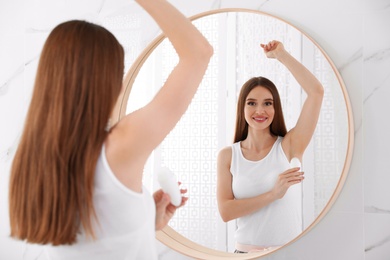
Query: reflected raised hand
x=273, y=49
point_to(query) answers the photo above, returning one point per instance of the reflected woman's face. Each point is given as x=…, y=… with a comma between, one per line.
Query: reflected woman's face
x=259, y=108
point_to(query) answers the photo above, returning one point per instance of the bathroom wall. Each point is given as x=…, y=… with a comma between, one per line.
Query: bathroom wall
x=354, y=33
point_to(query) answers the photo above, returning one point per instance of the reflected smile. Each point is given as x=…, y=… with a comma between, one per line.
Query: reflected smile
x=260, y=119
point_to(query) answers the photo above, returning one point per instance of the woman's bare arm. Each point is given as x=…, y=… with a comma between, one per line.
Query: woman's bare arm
x=136, y=135
x=299, y=137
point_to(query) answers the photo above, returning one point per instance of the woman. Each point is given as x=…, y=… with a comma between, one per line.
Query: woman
x=76, y=186
x=250, y=187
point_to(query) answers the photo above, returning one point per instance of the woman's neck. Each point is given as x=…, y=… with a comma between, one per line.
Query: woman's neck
x=258, y=140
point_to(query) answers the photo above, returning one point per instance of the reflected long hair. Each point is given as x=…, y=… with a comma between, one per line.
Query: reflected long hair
x=277, y=127
x=77, y=84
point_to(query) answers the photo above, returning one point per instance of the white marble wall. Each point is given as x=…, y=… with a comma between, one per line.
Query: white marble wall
x=354, y=33
x=376, y=94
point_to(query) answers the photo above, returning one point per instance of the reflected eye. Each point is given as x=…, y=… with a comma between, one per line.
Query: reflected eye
x=268, y=103
x=251, y=103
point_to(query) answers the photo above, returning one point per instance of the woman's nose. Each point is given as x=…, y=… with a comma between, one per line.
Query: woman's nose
x=259, y=110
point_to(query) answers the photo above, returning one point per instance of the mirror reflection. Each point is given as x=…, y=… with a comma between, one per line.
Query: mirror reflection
x=191, y=149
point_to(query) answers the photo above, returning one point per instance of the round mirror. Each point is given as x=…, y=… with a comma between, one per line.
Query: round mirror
x=191, y=149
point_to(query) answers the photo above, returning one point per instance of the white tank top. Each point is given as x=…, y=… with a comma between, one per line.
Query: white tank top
x=126, y=228
x=280, y=221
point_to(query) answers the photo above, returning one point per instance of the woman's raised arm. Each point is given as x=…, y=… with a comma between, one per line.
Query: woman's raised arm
x=158, y=118
x=137, y=134
x=297, y=139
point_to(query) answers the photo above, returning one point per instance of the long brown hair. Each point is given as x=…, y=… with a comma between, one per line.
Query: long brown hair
x=277, y=127
x=78, y=81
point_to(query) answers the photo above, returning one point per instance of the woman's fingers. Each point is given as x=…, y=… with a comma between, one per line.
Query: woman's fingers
x=290, y=171
x=292, y=175
x=183, y=190
x=298, y=176
x=270, y=45
x=286, y=180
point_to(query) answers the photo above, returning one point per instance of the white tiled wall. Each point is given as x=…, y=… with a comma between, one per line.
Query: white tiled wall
x=354, y=33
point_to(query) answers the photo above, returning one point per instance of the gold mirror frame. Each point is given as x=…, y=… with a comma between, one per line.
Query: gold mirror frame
x=173, y=239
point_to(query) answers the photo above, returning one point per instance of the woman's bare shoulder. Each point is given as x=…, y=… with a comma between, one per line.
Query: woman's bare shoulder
x=225, y=153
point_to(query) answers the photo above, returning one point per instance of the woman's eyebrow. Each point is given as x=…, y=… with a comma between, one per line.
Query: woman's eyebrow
x=254, y=99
